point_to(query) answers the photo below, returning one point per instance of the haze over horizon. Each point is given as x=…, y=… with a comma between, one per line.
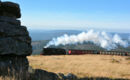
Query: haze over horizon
x=110, y=15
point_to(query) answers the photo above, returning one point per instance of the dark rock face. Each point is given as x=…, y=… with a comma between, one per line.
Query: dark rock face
x=10, y=20
x=15, y=42
x=68, y=76
x=13, y=64
x=44, y=75
x=10, y=9
x=14, y=38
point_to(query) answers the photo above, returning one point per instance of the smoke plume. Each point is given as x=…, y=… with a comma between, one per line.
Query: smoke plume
x=102, y=39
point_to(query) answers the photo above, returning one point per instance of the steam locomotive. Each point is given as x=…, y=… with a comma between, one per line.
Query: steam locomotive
x=53, y=51
x=59, y=51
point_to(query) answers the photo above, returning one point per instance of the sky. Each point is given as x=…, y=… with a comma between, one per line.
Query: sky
x=108, y=15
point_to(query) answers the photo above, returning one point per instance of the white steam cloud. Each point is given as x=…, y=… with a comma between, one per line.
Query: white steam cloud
x=99, y=38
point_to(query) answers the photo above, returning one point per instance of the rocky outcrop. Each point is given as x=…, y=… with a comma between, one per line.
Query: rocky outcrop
x=14, y=38
x=10, y=9
x=67, y=77
x=43, y=75
x=15, y=43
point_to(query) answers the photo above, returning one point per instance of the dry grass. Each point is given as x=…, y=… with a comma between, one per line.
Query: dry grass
x=84, y=65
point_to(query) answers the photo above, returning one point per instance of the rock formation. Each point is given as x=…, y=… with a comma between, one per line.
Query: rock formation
x=15, y=43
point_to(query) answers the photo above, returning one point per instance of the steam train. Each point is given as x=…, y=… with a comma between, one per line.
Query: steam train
x=59, y=51
x=53, y=51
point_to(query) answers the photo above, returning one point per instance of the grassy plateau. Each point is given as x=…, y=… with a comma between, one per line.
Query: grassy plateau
x=84, y=65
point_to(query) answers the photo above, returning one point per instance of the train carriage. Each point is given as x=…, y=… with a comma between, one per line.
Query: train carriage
x=80, y=52
x=121, y=53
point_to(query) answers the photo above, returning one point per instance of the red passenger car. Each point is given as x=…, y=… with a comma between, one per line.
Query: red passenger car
x=80, y=52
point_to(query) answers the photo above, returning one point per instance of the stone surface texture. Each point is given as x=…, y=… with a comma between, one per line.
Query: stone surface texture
x=14, y=38
x=15, y=42
x=10, y=9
